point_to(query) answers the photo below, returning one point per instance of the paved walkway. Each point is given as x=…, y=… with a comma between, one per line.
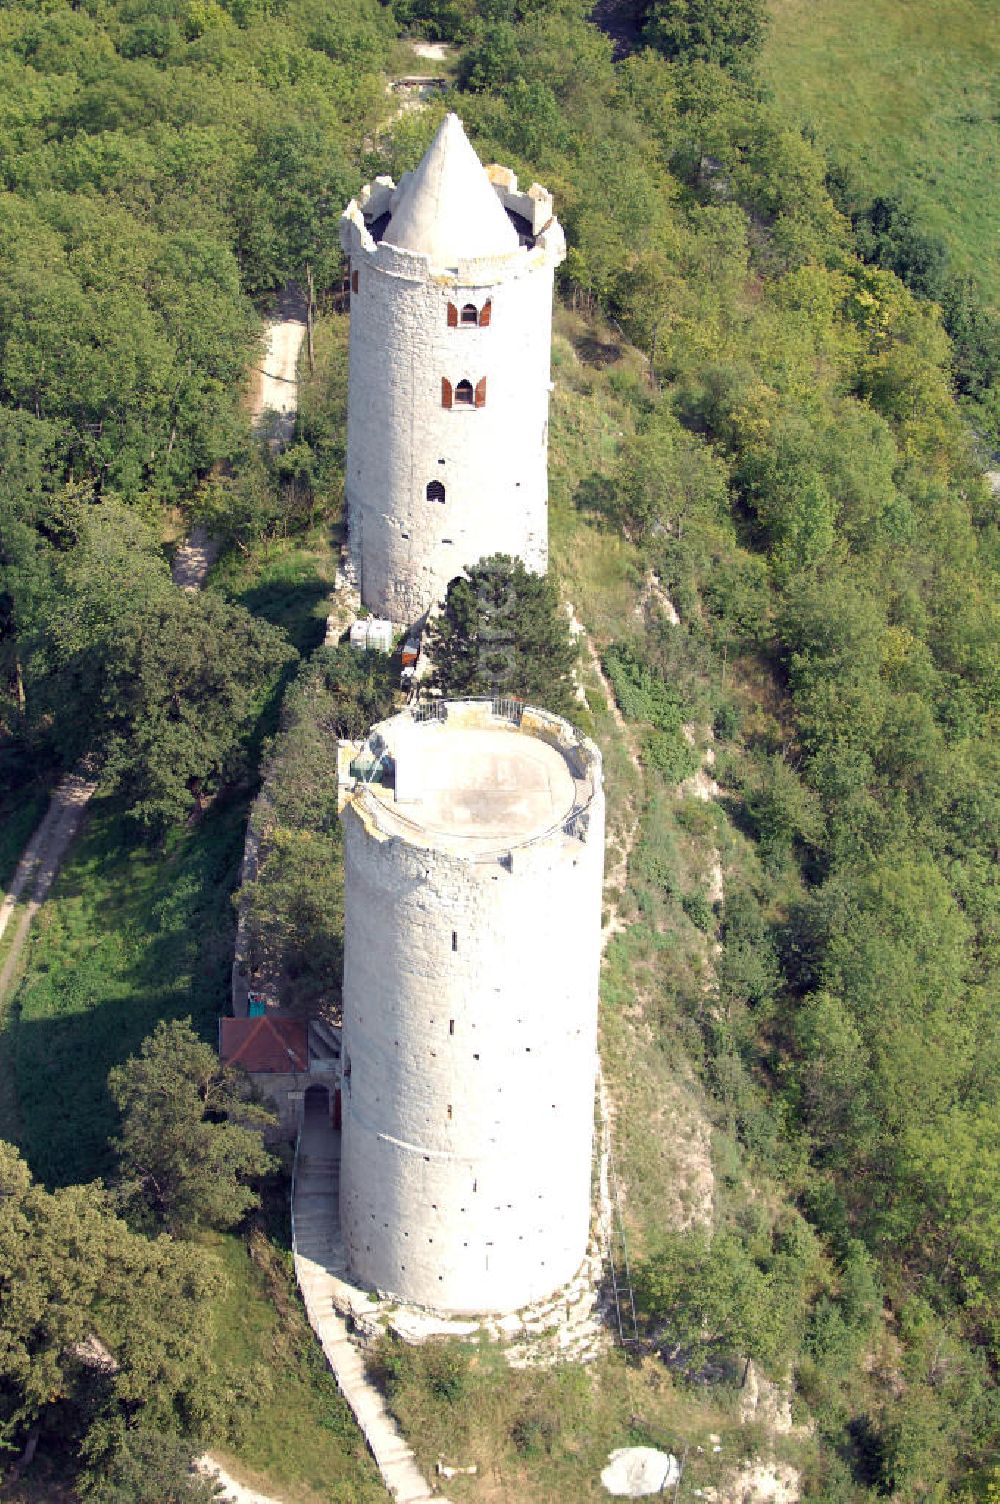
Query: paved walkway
x=319, y=1265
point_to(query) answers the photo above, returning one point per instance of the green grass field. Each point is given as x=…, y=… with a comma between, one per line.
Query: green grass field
x=129, y=935
x=912, y=89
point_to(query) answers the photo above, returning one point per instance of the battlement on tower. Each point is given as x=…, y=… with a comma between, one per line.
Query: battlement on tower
x=541, y=241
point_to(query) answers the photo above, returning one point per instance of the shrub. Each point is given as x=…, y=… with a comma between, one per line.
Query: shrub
x=698, y=909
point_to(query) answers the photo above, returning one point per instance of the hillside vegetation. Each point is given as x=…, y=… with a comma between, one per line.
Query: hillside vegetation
x=769, y=513
x=909, y=95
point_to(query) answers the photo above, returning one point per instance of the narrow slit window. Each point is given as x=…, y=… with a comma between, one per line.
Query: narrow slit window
x=451, y=1026
x=354, y=281
x=435, y=491
x=454, y=939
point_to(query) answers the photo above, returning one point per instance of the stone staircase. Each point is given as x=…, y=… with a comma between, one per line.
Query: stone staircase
x=320, y=1270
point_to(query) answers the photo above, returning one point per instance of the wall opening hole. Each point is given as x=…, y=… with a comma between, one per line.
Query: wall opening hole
x=435, y=491
x=449, y=1112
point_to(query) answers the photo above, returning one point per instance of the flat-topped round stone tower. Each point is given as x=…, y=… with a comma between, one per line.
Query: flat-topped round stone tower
x=474, y=849
x=448, y=379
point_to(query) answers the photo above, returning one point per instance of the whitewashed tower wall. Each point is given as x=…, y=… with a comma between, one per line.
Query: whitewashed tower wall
x=410, y=350
x=470, y=1050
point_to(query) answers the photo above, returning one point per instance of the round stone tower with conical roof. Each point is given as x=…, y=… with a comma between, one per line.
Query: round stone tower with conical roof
x=451, y=320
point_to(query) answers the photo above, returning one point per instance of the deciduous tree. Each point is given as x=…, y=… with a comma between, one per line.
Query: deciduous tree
x=190, y=1148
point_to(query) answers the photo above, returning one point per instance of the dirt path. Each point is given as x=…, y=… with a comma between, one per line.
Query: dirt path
x=274, y=399
x=194, y=559
x=235, y=1493
x=434, y=52
x=614, y=880
x=41, y=861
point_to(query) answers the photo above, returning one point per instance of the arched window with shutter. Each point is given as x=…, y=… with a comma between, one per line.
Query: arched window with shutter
x=470, y=315
x=464, y=395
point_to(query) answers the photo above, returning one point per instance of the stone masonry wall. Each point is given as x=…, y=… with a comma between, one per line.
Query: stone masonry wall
x=470, y=1046
x=491, y=460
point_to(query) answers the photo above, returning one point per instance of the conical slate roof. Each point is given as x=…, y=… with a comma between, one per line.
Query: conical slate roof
x=448, y=209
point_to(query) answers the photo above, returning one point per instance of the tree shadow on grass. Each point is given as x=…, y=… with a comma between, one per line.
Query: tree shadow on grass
x=291, y=601
x=91, y=996
x=596, y=352
x=596, y=497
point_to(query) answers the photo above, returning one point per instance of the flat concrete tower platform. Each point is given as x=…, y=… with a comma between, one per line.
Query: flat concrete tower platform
x=466, y=784
x=472, y=781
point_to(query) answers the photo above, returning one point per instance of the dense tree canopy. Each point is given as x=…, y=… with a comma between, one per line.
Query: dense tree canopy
x=156, y=684
x=502, y=632
x=294, y=905
x=99, y=1326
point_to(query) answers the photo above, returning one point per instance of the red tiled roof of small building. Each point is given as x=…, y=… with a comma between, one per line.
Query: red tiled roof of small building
x=265, y=1044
